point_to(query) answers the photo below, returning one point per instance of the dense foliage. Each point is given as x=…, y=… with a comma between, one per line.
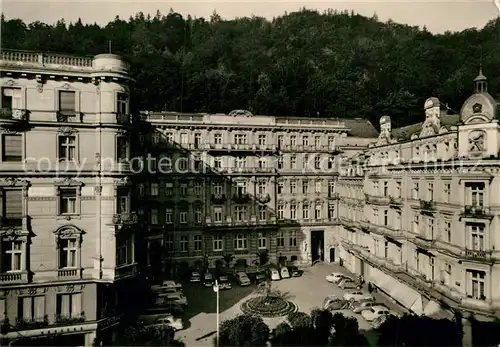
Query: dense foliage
x=302, y=64
x=243, y=330
x=151, y=335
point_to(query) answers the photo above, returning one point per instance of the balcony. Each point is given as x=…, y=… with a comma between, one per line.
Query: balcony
x=241, y=198
x=218, y=198
x=69, y=117
x=263, y=198
x=427, y=206
x=478, y=212
x=424, y=241
x=377, y=200
x=23, y=59
x=333, y=195
x=348, y=223
x=69, y=274
x=34, y=323
x=391, y=232
x=250, y=170
x=396, y=202
x=14, y=277
x=123, y=119
x=11, y=221
x=125, y=219
x=476, y=254
x=240, y=147
x=124, y=271
x=10, y=115
x=60, y=319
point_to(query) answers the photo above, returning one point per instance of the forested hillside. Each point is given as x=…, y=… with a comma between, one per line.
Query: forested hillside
x=302, y=64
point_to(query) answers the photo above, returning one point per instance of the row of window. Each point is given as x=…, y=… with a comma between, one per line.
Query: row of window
x=240, y=188
x=474, y=191
x=240, y=242
x=67, y=101
x=427, y=152
x=12, y=148
x=315, y=161
x=242, y=139
x=34, y=308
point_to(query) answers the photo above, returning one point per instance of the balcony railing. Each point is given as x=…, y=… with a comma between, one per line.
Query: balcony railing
x=473, y=211
x=240, y=147
x=69, y=273
x=241, y=198
x=56, y=61
x=14, y=277
x=123, y=118
x=246, y=170
x=13, y=114
x=125, y=218
x=69, y=319
x=33, y=323
x=427, y=206
x=11, y=221
x=395, y=201
x=477, y=254
x=377, y=200
x=424, y=241
x=229, y=222
x=263, y=198
x=126, y=270
x=69, y=117
x=218, y=198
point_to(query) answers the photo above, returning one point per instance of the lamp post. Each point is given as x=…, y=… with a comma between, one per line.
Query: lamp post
x=216, y=290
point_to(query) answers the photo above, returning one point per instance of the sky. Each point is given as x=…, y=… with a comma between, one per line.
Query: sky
x=437, y=16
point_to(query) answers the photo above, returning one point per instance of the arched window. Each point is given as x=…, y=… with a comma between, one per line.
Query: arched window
x=69, y=241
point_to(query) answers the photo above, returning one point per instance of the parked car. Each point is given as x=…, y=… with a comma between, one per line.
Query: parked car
x=260, y=277
x=333, y=302
x=295, y=272
x=377, y=322
x=358, y=296
x=274, y=274
x=284, y=272
x=349, y=283
x=364, y=305
x=242, y=279
x=224, y=283
x=172, y=285
x=334, y=276
x=195, y=277
x=208, y=280
x=341, y=278
x=375, y=312
x=171, y=321
x=177, y=298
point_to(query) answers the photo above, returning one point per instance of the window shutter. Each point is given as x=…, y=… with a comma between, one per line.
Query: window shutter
x=3, y=309
x=13, y=146
x=39, y=307
x=76, y=304
x=66, y=101
x=27, y=309
x=65, y=305
x=13, y=203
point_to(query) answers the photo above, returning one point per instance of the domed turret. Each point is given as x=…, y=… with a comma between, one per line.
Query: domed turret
x=480, y=83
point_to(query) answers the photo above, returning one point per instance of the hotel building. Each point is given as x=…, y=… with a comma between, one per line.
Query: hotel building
x=420, y=210
x=67, y=231
x=248, y=183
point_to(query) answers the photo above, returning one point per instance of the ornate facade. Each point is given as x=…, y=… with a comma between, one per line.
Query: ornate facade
x=241, y=183
x=67, y=231
x=431, y=210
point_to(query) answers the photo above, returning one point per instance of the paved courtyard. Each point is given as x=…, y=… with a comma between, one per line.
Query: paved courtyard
x=307, y=292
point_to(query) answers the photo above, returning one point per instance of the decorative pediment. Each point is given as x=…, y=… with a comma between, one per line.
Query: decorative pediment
x=240, y=113
x=67, y=130
x=68, y=182
x=13, y=182
x=428, y=129
x=69, y=232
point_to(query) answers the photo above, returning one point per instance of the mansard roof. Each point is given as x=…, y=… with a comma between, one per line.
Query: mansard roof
x=405, y=133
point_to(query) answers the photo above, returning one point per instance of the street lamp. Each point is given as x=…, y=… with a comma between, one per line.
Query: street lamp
x=216, y=290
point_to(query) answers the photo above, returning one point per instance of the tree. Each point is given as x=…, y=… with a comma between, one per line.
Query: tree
x=244, y=330
x=151, y=335
x=262, y=258
x=419, y=331
x=322, y=321
x=346, y=332
x=299, y=319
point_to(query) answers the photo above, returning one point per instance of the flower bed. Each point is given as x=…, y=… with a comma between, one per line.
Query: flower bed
x=268, y=307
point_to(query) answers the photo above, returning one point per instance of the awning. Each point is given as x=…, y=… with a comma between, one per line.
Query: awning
x=418, y=306
x=404, y=294
x=434, y=310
